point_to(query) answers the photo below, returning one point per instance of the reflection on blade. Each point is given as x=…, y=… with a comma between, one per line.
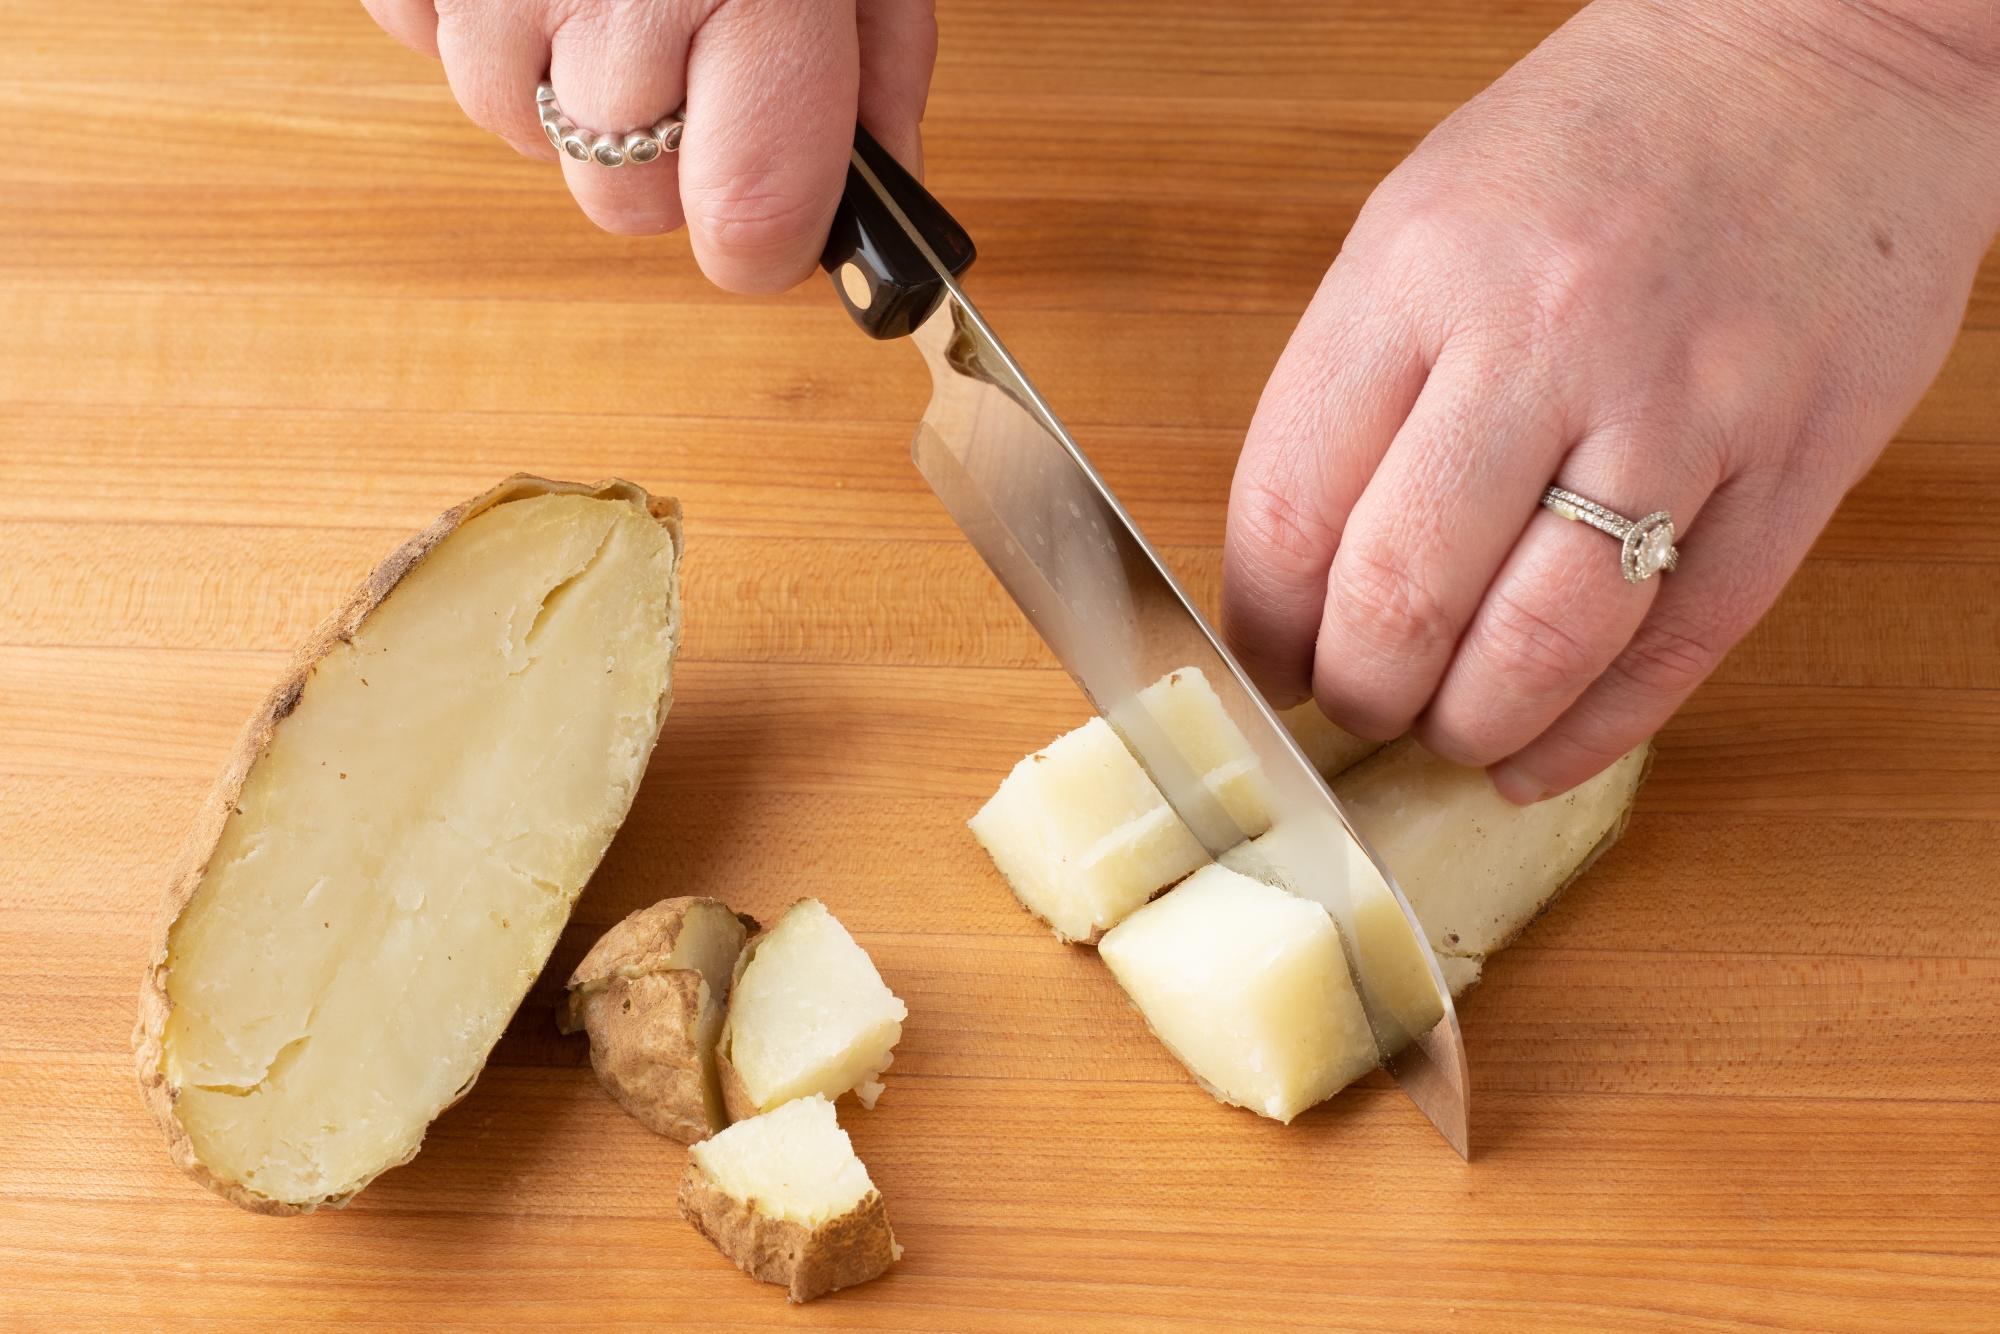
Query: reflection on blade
x=1070, y=556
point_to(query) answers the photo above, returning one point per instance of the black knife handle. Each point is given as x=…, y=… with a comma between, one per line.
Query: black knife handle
x=878, y=273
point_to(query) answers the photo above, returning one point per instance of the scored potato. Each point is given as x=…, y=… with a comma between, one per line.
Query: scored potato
x=396, y=843
x=783, y=1196
x=1084, y=837
x=808, y=1014
x=1247, y=985
x=651, y=994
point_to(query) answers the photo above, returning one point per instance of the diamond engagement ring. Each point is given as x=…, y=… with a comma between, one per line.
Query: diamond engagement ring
x=605, y=149
x=1647, y=545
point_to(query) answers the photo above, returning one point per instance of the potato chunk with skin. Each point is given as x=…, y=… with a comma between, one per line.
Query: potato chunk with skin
x=783, y=1196
x=1475, y=867
x=651, y=994
x=398, y=838
x=808, y=1014
x=1247, y=985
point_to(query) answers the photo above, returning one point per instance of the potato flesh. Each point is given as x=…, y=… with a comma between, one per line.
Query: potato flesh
x=809, y=1013
x=405, y=852
x=1082, y=834
x=1475, y=867
x=1247, y=985
x=793, y=1162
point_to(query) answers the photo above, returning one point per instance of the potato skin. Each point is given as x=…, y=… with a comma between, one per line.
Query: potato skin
x=191, y=866
x=644, y=1020
x=808, y=1262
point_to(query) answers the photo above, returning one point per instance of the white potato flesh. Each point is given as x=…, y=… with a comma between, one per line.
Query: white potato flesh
x=1084, y=837
x=1247, y=985
x=405, y=852
x=1475, y=867
x=1330, y=749
x=809, y=1013
x=793, y=1162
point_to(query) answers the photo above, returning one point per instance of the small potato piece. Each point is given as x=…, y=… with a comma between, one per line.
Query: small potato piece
x=808, y=1014
x=1247, y=985
x=783, y=1196
x=1475, y=867
x=651, y=994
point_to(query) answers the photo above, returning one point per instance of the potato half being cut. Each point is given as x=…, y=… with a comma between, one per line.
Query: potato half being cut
x=399, y=836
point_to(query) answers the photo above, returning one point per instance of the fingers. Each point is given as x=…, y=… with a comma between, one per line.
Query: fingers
x=898, y=49
x=493, y=57
x=1344, y=384
x=1450, y=499
x=1560, y=610
x=412, y=22
x=771, y=104
x=1751, y=538
x=617, y=68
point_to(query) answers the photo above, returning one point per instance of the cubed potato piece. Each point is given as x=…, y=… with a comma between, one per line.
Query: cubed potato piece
x=808, y=1014
x=784, y=1197
x=1247, y=985
x=397, y=841
x=1475, y=867
x=1082, y=835
x=651, y=994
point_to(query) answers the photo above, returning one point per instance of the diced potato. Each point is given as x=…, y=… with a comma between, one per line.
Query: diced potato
x=1247, y=985
x=808, y=1014
x=1330, y=749
x=1084, y=837
x=651, y=994
x=783, y=1196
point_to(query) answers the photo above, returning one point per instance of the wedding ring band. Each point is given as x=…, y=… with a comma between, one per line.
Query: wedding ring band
x=1646, y=545
x=605, y=148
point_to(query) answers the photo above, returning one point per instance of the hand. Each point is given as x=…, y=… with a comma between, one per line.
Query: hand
x=771, y=88
x=1700, y=258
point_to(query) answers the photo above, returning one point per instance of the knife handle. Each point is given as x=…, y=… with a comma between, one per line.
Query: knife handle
x=878, y=272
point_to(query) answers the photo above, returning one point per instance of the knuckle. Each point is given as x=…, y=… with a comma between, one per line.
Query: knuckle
x=1383, y=601
x=1670, y=660
x=1268, y=521
x=752, y=213
x=1533, y=649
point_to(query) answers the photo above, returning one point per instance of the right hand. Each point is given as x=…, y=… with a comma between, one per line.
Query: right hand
x=772, y=91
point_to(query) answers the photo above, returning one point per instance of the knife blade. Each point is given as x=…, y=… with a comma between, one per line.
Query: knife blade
x=1068, y=553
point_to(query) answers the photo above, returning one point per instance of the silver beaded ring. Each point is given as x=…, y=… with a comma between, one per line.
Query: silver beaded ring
x=605, y=149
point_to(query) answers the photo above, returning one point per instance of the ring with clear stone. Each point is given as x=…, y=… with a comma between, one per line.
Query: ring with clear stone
x=606, y=149
x=1646, y=546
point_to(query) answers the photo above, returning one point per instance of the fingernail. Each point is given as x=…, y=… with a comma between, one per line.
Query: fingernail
x=1516, y=784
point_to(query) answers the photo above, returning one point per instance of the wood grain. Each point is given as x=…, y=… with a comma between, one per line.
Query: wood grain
x=1743, y=1077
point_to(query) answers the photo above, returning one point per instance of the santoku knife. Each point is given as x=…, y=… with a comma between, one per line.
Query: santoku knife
x=1099, y=595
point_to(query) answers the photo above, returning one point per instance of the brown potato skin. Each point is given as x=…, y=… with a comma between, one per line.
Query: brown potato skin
x=192, y=864
x=643, y=1019
x=807, y=1262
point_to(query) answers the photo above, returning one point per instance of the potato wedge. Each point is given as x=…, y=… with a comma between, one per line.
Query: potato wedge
x=651, y=994
x=397, y=840
x=783, y=1196
x=808, y=1014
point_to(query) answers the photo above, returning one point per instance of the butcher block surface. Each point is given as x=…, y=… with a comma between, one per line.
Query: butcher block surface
x=268, y=303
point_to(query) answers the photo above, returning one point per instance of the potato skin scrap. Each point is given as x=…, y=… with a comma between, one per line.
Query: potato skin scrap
x=652, y=1026
x=198, y=849
x=807, y=1262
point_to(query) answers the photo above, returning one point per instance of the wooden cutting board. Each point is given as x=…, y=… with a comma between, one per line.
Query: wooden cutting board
x=283, y=304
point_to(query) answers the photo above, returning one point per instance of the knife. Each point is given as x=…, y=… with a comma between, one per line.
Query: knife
x=1073, y=560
